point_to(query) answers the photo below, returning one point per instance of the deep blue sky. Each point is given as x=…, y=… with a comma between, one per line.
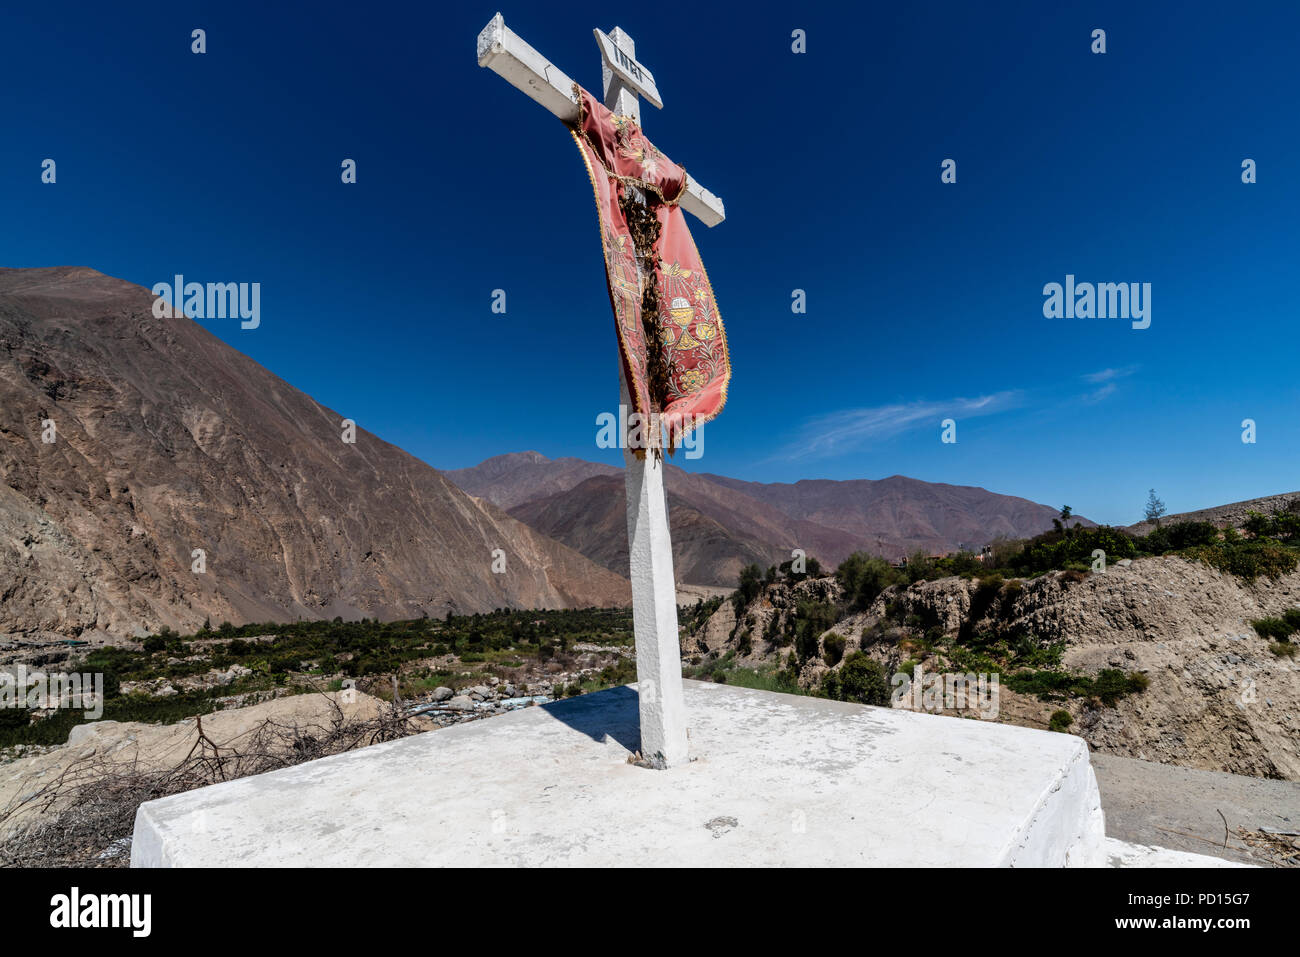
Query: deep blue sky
x=925, y=299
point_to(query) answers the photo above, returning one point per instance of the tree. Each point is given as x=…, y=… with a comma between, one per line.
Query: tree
x=815, y=619
x=748, y=588
x=1060, y=523
x=1155, y=508
x=864, y=577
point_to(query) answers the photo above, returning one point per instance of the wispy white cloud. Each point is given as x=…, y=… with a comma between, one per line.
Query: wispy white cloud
x=849, y=428
x=1107, y=379
x=1107, y=375
x=1098, y=394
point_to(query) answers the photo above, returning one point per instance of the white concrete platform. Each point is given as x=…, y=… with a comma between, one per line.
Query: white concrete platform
x=775, y=780
x=1123, y=854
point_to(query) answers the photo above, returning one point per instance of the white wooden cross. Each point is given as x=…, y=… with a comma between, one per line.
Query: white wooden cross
x=654, y=592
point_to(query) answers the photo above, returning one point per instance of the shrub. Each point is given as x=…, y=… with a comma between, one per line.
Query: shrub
x=982, y=603
x=1060, y=721
x=1180, y=535
x=812, y=569
x=833, y=648
x=1111, y=684
x=1273, y=628
x=863, y=577
x=859, y=679
x=1284, y=649
x=1055, y=549
x=814, y=619
x=14, y=718
x=1248, y=558
x=748, y=588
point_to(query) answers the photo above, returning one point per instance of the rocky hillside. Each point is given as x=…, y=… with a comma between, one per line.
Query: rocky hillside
x=168, y=441
x=1223, y=515
x=1217, y=697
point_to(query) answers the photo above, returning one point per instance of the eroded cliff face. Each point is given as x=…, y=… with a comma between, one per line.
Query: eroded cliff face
x=1218, y=698
x=167, y=440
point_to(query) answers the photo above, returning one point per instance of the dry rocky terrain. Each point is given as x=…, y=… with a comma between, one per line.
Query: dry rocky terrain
x=1218, y=698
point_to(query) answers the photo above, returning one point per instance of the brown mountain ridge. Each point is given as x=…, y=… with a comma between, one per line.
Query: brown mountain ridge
x=168, y=440
x=720, y=524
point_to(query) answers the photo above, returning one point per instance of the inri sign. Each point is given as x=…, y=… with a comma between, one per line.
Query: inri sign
x=628, y=70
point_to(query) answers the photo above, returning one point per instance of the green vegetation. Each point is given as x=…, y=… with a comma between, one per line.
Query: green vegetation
x=861, y=679
x=812, y=568
x=1278, y=631
x=1270, y=548
x=621, y=672
x=1283, y=525
x=1155, y=509
x=833, y=648
x=289, y=656
x=812, y=619
x=863, y=577
x=747, y=589
x=1060, y=721
x=753, y=579
x=17, y=728
x=1108, y=687
x=694, y=618
x=724, y=670
x=1248, y=559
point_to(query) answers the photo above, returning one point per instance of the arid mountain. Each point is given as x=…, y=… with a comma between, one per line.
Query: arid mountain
x=716, y=531
x=905, y=512
x=167, y=441
x=592, y=518
x=720, y=524
x=519, y=477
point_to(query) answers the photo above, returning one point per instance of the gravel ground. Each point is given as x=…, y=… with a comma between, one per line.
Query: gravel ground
x=1147, y=803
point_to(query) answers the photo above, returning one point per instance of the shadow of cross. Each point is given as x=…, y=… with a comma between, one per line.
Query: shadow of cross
x=663, y=739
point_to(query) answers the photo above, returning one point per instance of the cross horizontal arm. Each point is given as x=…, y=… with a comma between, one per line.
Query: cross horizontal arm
x=502, y=50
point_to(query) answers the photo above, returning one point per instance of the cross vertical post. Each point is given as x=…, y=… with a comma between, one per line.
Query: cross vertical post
x=650, y=554
x=654, y=591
